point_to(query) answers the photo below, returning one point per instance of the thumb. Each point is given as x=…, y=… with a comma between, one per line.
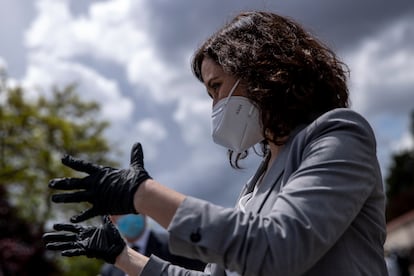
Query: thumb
x=137, y=156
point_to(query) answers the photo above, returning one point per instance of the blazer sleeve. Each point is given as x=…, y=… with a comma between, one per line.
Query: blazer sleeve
x=332, y=170
x=157, y=266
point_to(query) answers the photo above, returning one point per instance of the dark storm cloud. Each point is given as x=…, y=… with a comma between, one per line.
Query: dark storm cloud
x=177, y=25
x=345, y=23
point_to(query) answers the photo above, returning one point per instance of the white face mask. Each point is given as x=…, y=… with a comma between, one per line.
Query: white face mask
x=235, y=123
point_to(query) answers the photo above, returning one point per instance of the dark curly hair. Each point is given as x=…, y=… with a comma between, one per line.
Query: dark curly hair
x=290, y=75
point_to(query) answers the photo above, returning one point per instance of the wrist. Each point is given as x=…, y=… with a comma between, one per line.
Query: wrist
x=130, y=261
x=157, y=201
x=140, y=194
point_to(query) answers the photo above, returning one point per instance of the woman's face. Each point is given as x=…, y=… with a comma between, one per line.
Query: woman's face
x=218, y=82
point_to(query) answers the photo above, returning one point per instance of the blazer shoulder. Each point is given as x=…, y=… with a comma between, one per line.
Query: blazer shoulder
x=335, y=122
x=345, y=115
x=342, y=118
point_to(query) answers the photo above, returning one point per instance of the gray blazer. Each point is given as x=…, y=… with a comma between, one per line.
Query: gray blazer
x=319, y=210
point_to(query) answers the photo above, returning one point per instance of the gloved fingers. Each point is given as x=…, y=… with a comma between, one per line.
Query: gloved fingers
x=74, y=252
x=68, y=227
x=60, y=245
x=68, y=183
x=58, y=237
x=87, y=214
x=137, y=156
x=80, y=165
x=109, y=226
x=80, y=196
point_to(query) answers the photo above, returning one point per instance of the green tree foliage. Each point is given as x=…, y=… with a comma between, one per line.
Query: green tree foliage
x=400, y=181
x=34, y=135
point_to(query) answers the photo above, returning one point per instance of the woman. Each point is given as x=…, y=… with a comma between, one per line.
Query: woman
x=316, y=204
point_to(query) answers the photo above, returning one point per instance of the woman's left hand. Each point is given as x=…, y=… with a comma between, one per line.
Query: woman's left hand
x=103, y=242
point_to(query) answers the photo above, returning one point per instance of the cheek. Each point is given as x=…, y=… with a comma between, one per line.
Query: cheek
x=217, y=99
x=221, y=95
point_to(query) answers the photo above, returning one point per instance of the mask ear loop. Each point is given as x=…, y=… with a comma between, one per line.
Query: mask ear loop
x=232, y=91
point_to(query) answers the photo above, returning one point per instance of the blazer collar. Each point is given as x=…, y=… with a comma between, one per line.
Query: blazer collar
x=271, y=179
x=268, y=183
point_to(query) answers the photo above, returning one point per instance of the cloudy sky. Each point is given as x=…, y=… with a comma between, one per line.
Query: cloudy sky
x=133, y=57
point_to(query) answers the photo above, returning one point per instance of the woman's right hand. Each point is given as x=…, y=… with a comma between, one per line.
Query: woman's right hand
x=110, y=191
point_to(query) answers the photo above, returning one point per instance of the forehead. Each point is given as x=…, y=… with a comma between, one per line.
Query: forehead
x=210, y=69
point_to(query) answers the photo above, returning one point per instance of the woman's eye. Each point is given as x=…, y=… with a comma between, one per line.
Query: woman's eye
x=215, y=86
x=213, y=89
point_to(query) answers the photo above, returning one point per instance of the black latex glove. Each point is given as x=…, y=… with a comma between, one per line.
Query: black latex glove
x=110, y=191
x=103, y=242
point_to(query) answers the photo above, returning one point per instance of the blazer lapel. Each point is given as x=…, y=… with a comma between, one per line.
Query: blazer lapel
x=272, y=179
x=252, y=181
x=269, y=183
